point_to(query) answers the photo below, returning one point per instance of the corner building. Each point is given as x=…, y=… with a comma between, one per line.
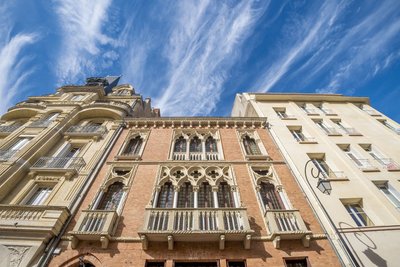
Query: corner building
x=50, y=150
x=353, y=147
x=200, y=192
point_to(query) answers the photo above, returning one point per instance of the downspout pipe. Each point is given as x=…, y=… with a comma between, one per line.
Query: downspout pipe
x=44, y=260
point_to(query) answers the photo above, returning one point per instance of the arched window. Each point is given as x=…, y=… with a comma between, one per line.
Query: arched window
x=180, y=145
x=112, y=197
x=211, y=145
x=225, y=198
x=134, y=145
x=186, y=196
x=205, y=196
x=51, y=116
x=195, y=144
x=251, y=146
x=166, y=195
x=270, y=196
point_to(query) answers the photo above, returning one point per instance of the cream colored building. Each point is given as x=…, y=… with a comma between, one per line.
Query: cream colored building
x=51, y=148
x=354, y=147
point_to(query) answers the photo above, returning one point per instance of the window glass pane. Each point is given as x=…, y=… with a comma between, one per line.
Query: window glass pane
x=165, y=196
x=251, y=146
x=195, y=145
x=155, y=264
x=112, y=197
x=186, y=196
x=205, y=196
x=236, y=264
x=180, y=145
x=225, y=199
x=196, y=264
x=40, y=196
x=134, y=145
x=358, y=215
x=211, y=145
x=270, y=197
x=296, y=263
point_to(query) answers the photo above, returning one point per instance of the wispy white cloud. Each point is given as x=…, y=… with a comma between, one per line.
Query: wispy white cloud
x=200, y=46
x=334, y=49
x=83, y=38
x=13, y=63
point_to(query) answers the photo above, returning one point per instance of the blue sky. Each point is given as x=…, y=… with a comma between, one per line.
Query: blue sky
x=192, y=57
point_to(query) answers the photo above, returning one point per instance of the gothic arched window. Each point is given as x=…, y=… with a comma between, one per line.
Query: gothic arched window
x=112, y=197
x=186, y=196
x=251, y=146
x=211, y=145
x=180, y=145
x=195, y=145
x=133, y=147
x=225, y=198
x=166, y=196
x=205, y=196
x=270, y=196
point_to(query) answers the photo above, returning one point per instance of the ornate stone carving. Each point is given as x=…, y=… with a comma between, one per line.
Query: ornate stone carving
x=17, y=253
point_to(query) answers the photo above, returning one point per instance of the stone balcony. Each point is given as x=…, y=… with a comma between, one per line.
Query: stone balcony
x=287, y=225
x=7, y=129
x=94, y=225
x=196, y=225
x=40, y=124
x=86, y=131
x=42, y=220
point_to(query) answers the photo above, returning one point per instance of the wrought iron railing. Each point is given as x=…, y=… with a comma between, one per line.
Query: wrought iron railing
x=388, y=164
x=9, y=128
x=40, y=123
x=59, y=163
x=351, y=131
x=364, y=164
x=87, y=129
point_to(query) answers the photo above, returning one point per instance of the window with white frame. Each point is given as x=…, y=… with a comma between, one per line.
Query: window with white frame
x=252, y=145
x=382, y=159
x=281, y=112
x=38, y=196
x=77, y=97
x=354, y=156
x=390, y=192
x=357, y=213
x=390, y=126
x=133, y=146
x=111, y=199
x=19, y=143
x=325, y=127
x=196, y=145
x=270, y=191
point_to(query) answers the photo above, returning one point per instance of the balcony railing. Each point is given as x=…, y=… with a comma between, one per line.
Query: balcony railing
x=285, y=116
x=39, y=123
x=15, y=218
x=351, y=131
x=59, y=163
x=305, y=139
x=94, y=225
x=330, y=131
x=195, y=156
x=372, y=112
x=7, y=154
x=86, y=130
x=201, y=223
x=364, y=164
x=311, y=111
x=9, y=128
x=286, y=224
x=389, y=164
x=328, y=173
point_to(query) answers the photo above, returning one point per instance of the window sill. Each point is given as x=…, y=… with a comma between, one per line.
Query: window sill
x=289, y=119
x=370, y=169
x=128, y=157
x=258, y=157
x=308, y=142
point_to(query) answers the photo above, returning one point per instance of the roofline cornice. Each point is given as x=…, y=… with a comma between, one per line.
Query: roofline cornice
x=308, y=97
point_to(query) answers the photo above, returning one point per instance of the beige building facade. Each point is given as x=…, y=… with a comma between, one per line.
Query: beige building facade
x=198, y=192
x=50, y=150
x=346, y=142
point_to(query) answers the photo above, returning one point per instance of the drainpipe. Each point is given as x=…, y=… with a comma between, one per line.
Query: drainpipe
x=48, y=252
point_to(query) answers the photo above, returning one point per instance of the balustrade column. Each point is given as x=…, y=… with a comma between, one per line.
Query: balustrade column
x=195, y=196
x=155, y=200
x=203, y=149
x=235, y=197
x=215, y=195
x=176, y=192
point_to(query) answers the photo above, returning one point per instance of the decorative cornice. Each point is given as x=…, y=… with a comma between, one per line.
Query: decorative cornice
x=197, y=122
